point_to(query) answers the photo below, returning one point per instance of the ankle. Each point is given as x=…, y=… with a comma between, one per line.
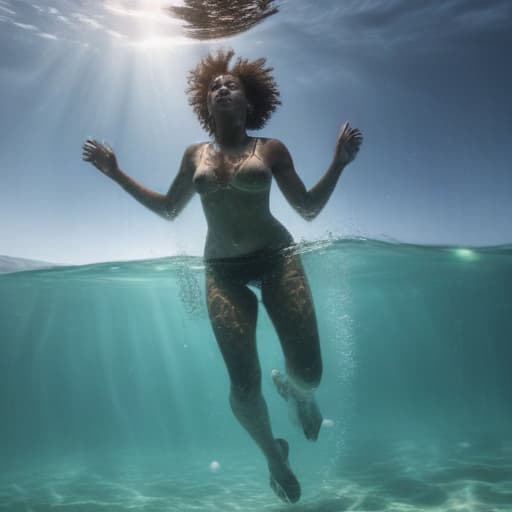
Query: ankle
x=277, y=456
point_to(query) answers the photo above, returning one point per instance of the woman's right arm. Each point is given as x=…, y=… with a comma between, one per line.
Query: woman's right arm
x=167, y=206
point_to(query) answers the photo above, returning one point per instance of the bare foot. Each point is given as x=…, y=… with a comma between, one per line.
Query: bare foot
x=305, y=404
x=282, y=480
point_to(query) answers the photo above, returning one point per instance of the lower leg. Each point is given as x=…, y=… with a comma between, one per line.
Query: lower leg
x=305, y=384
x=252, y=413
x=300, y=394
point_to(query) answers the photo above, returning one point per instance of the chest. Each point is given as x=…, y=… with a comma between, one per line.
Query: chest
x=245, y=171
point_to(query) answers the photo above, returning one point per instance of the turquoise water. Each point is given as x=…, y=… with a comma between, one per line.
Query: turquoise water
x=113, y=395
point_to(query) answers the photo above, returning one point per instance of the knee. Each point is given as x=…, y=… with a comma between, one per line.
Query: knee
x=312, y=375
x=306, y=376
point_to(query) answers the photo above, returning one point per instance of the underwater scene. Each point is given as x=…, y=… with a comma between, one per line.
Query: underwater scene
x=255, y=255
x=114, y=396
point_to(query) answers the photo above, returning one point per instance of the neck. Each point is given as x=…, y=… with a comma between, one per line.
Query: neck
x=230, y=133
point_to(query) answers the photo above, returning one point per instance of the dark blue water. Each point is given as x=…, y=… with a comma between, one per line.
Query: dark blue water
x=113, y=395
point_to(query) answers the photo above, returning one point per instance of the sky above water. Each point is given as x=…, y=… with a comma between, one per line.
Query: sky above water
x=427, y=82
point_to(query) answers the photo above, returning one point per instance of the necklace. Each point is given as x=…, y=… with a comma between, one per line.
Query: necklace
x=227, y=165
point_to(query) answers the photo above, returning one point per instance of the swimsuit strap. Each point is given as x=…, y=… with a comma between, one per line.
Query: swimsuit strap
x=254, y=146
x=249, y=156
x=204, y=146
x=256, y=141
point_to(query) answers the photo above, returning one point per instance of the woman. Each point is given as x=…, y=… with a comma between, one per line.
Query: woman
x=245, y=244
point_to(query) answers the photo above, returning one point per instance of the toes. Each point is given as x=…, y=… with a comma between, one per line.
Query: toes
x=312, y=431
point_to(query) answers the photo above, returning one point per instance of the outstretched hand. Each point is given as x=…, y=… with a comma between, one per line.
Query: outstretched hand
x=348, y=142
x=101, y=156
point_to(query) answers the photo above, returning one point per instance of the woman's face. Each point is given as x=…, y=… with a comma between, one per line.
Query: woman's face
x=225, y=92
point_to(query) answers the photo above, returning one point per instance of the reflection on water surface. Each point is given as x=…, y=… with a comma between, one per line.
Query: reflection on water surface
x=214, y=19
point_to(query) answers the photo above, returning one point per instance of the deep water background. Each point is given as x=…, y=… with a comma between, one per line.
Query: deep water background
x=110, y=373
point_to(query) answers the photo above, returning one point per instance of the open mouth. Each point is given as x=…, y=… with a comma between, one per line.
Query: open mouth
x=223, y=99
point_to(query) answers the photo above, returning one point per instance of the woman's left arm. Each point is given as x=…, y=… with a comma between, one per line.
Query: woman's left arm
x=309, y=203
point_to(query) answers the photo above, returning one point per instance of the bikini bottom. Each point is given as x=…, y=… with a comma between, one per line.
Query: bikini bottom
x=252, y=269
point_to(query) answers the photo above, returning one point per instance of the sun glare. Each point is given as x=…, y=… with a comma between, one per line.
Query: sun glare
x=466, y=254
x=146, y=25
x=149, y=10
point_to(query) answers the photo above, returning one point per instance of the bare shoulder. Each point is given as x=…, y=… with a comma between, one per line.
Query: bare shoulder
x=274, y=151
x=272, y=145
x=192, y=153
x=194, y=149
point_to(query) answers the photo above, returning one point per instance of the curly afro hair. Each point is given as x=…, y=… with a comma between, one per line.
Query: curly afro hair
x=259, y=85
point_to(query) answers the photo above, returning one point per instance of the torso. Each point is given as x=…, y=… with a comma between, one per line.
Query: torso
x=235, y=190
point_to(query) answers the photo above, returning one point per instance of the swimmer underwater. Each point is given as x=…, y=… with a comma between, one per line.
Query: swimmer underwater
x=246, y=245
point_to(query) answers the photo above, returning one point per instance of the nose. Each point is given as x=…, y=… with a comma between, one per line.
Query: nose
x=223, y=90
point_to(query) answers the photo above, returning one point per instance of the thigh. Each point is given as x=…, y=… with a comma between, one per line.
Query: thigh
x=287, y=298
x=233, y=308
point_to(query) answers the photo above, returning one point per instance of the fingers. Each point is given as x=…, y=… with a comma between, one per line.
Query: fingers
x=349, y=142
x=89, y=149
x=348, y=132
x=91, y=144
x=355, y=137
x=353, y=144
x=353, y=133
x=343, y=130
x=349, y=135
x=94, y=145
x=87, y=154
x=92, y=150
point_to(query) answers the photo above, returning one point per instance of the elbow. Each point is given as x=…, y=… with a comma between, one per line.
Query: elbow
x=169, y=210
x=308, y=212
x=308, y=207
x=169, y=214
x=309, y=215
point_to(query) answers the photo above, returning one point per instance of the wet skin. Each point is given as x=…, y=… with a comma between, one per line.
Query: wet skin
x=232, y=176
